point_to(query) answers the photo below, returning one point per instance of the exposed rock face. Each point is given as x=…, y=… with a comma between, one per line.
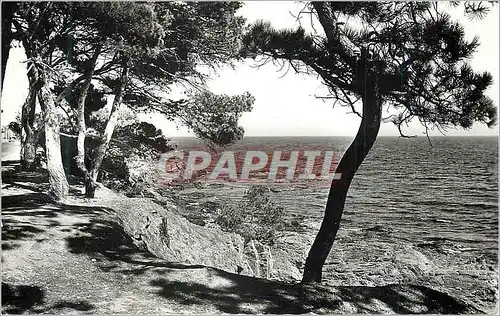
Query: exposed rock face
x=174, y=238
x=282, y=261
x=170, y=236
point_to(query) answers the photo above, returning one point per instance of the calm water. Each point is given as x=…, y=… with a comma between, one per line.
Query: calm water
x=420, y=193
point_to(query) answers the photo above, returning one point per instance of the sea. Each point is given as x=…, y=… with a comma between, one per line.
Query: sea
x=416, y=190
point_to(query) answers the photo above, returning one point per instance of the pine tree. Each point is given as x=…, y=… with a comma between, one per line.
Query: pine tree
x=410, y=56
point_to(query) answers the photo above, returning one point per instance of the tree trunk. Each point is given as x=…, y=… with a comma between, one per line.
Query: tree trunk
x=100, y=151
x=8, y=9
x=90, y=184
x=57, y=178
x=28, y=152
x=349, y=164
x=29, y=137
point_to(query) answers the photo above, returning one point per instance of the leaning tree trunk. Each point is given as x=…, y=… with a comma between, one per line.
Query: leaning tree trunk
x=102, y=148
x=349, y=164
x=90, y=184
x=57, y=178
x=29, y=137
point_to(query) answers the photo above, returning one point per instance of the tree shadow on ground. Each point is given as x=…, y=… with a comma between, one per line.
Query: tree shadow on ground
x=106, y=239
x=26, y=202
x=13, y=231
x=41, y=205
x=21, y=298
x=271, y=297
x=279, y=298
x=98, y=234
x=23, y=205
x=403, y=299
x=29, y=214
x=76, y=305
x=37, y=180
x=6, y=163
x=13, y=175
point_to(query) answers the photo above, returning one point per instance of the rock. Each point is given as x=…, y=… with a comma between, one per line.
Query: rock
x=379, y=228
x=282, y=261
x=412, y=258
x=167, y=235
x=260, y=259
x=172, y=237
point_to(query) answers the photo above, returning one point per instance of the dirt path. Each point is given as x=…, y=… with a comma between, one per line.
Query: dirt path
x=77, y=259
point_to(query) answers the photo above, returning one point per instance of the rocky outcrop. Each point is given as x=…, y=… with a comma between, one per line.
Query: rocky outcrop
x=174, y=238
x=168, y=235
x=281, y=261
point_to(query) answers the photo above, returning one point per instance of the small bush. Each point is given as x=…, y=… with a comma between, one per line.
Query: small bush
x=231, y=218
x=256, y=217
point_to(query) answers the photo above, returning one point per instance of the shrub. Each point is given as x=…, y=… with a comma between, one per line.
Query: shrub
x=255, y=217
x=231, y=218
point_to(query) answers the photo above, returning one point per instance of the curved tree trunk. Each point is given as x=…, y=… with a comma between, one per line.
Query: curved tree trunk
x=349, y=164
x=100, y=151
x=29, y=133
x=90, y=185
x=29, y=136
x=57, y=178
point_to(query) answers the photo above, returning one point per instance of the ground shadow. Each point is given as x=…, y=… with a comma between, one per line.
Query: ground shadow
x=14, y=176
x=106, y=239
x=29, y=214
x=6, y=163
x=23, y=204
x=403, y=299
x=97, y=235
x=26, y=202
x=36, y=180
x=17, y=299
x=77, y=305
x=285, y=298
x=13, y=231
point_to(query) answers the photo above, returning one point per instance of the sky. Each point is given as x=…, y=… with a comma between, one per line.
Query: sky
x=285, y=103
